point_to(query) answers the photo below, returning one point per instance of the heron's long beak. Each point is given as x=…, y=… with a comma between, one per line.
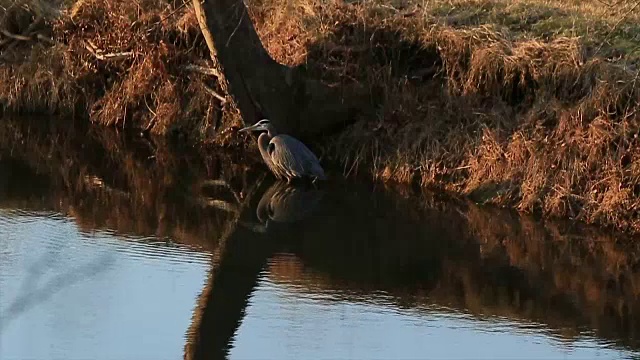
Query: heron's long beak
x=249, y=128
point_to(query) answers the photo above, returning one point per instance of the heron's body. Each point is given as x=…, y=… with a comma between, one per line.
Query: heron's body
x=287, y=157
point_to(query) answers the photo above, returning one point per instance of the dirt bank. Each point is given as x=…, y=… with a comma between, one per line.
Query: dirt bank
x=526, y=104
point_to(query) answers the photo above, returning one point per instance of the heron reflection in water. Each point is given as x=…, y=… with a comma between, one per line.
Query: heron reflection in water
x=284, y=203
x=286, y=156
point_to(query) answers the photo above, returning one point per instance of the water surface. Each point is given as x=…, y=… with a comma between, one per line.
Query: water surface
x=73, y=295
x=115, y=249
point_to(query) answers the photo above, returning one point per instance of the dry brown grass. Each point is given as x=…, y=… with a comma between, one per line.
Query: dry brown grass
x=524, y=103
x=147, y=87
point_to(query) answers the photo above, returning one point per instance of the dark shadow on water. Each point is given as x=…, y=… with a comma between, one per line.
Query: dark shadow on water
x=353, y=240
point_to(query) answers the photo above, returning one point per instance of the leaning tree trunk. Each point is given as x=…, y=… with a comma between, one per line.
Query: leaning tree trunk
x=260, y=86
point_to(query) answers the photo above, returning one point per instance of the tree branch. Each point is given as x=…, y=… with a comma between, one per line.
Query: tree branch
x=213, y=93
x=202, y=70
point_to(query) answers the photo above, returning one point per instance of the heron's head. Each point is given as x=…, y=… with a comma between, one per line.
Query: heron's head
x=262, y=125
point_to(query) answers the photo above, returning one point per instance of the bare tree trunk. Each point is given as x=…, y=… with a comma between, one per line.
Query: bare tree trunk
x=260, y=86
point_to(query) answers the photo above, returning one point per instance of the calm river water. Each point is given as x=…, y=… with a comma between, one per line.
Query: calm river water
x=112, y=249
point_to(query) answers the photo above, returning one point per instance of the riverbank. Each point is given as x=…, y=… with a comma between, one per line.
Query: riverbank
x=521, y=104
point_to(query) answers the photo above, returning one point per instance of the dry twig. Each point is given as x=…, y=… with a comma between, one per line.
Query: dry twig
x=15, y=36
x=106, y=57
x=202, y=70
x=214, y=94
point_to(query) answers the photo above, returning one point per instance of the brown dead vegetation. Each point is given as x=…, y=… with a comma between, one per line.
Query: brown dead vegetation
x=521, y=103
x=123, y=64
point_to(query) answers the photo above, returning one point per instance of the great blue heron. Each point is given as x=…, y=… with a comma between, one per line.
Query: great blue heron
x=286, y=156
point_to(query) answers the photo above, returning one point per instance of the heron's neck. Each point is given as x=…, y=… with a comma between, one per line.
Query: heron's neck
x=263, y=145
x=263, y=140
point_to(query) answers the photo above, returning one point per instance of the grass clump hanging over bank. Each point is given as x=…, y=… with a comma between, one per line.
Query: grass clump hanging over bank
x=528, y=104
x=136, y=64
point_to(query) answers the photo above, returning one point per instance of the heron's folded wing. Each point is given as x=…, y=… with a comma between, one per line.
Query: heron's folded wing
x=284, y=156
x=306, y=160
